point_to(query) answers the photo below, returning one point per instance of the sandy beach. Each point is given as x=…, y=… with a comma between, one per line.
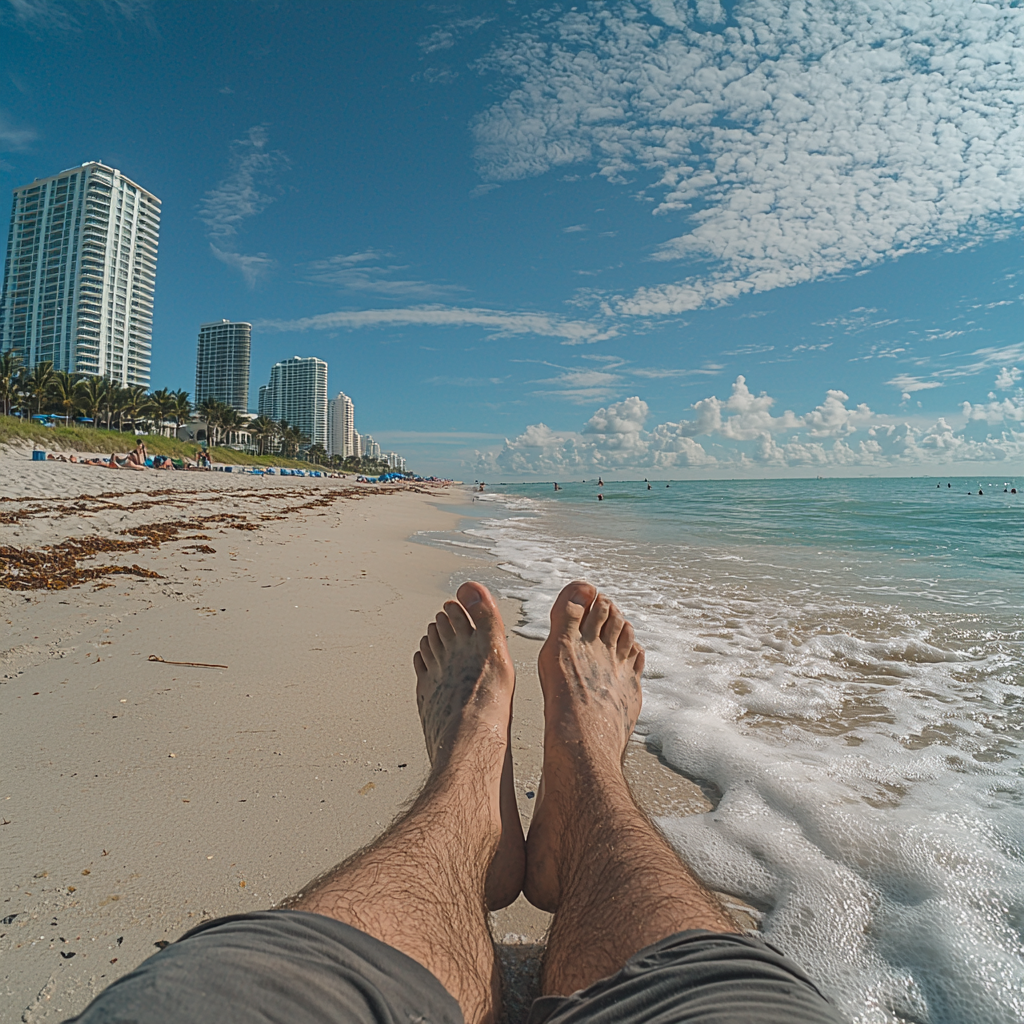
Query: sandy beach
x=141, y=797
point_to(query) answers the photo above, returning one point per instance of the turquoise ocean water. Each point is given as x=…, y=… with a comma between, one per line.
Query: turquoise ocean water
x=840, y=663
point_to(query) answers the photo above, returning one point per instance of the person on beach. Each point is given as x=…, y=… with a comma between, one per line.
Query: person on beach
x=399, y=932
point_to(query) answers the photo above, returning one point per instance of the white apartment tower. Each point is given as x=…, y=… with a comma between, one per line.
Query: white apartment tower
x=341, y=426
x=222, y=364
x=80, y=274
x=297, y=392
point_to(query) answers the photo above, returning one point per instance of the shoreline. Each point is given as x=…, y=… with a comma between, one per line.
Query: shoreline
x=144, y=797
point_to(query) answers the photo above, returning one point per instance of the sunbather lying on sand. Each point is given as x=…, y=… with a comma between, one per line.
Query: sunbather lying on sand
x=399, y=931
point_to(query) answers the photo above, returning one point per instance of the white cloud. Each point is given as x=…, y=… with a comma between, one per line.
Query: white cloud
x=800, y=141
x=14, y=139
x=979, y=361
x=62, y=15
x=1007, y=378
x=446, y=36
x=997, y=410
x=364, y=272
x=583, y=385
x=498, y=323
x=744, y=436
x=741, y=417
x=252, y=267
x=833, y=419
x=238, y=198
x=909, y=384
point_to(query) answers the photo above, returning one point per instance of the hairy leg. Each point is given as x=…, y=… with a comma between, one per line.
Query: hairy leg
x=613, y=882
x=421, y=887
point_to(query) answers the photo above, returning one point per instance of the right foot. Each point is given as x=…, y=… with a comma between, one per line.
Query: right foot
x=590, y=668
x=464, y=685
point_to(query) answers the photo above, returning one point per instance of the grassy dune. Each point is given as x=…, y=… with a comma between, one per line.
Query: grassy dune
x=17, y=432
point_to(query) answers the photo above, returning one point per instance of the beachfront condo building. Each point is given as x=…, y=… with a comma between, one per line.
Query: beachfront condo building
x=370, y=447
x=341, y=426
x=297, y=392
x=80, y=274
x=222, y=364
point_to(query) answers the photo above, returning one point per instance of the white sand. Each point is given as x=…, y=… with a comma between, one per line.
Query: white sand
x=140, y=798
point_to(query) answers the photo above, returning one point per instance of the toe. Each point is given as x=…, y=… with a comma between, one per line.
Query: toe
x=625, y=642
x=639, y=659
x=420, y=665
x=570, y=606
x=445, y=629
x=596, y=617
x=612, y=629
x=433, y=639
x=479, y=603
x=462, y=624
x=426, y=654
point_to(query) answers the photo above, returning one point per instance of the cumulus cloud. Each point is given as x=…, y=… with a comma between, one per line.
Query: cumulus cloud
x=798, y=140
x=1007, y=378
x=366, y=272
x=740, y=434
x=497, y=323
x=1010, y=410
x=238, y=197
x=742, y=416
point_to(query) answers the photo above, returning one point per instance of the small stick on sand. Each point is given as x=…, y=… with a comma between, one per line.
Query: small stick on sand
x=187, y=664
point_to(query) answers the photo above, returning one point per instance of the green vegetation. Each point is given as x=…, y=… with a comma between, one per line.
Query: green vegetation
x=14, y=431
x=69, y=397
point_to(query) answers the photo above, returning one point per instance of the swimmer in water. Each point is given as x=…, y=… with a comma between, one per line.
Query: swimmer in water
x=400, y=929
x=600, y=497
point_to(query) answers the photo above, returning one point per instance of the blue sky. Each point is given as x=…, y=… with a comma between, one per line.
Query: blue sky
x=663, y=238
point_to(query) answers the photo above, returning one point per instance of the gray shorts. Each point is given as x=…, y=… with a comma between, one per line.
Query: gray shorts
x=290, y=967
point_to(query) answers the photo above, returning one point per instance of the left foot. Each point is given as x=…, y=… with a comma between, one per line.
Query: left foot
x=464, y=685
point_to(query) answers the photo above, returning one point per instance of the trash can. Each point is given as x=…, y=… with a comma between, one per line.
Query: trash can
x=38, y=456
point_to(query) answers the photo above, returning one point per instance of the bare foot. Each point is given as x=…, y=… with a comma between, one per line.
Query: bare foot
x=590, y=668
x=464, y=685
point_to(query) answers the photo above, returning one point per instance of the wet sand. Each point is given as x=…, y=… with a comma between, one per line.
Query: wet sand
x=142, y=797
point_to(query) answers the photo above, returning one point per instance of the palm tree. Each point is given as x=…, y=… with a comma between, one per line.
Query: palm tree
x=317, y=454
x=214, y=412
x=182, y=408
x=134, y=400
x=93, y=395
x=263, y=430
x=65, y=392
x=38, y=382
x=291, y=439
x=232, y=424
x=10, y=372
x=161, y=405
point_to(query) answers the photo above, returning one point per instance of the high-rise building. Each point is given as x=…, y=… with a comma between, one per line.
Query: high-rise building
x=222, y=364
x=341, y=426
x=297, y=392
x=80, y=273
x=370, y=447
x=357, y=444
